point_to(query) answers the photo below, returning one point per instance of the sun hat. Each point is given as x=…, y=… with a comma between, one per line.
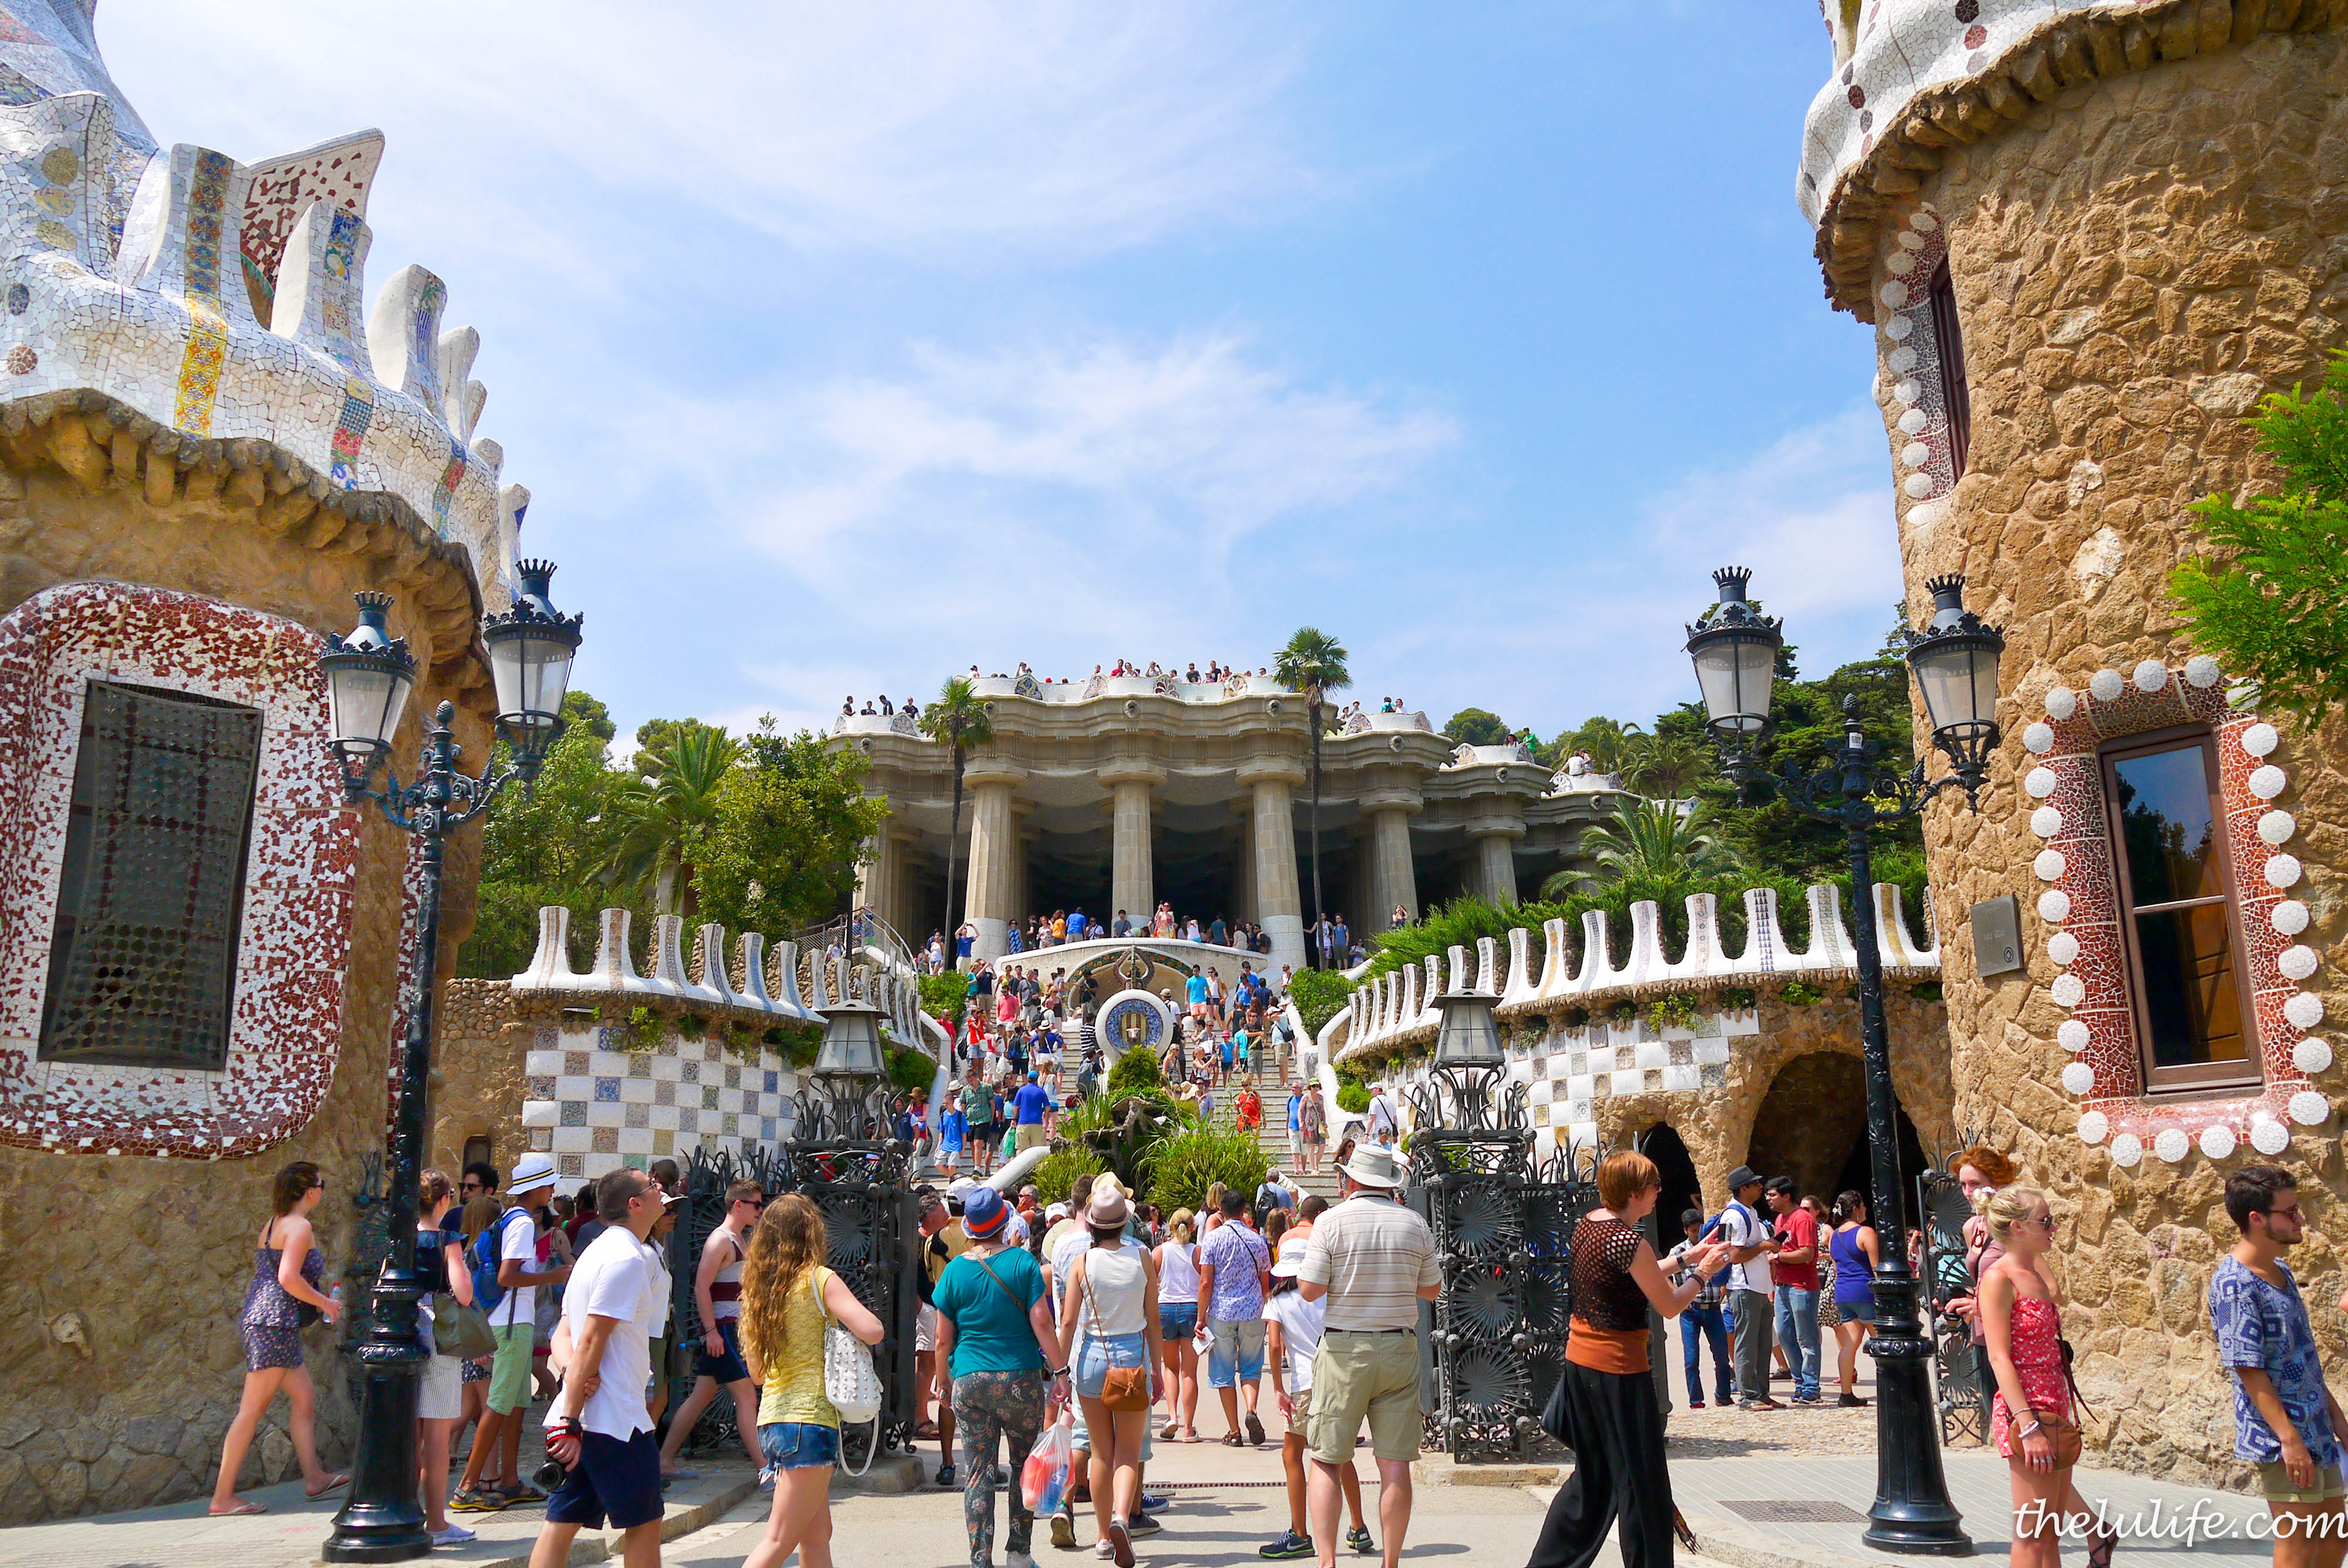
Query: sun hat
x=1108, y=1206
x=1743, y=1176
x=984, y=1214
x=1374, y=1165
x=530, y=1172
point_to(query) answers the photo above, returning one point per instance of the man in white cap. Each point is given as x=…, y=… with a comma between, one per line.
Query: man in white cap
x=1374, y=1261
x=513, y=1323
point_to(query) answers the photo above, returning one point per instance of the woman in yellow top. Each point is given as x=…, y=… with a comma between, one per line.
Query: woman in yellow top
x=788, y=1295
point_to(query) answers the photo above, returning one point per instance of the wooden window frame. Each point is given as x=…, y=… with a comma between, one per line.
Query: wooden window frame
x=2201, y=1077
x=1949, y=348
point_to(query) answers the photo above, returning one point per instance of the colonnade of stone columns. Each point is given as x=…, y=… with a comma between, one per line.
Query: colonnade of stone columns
x=1271, y=832
x=1132, y=885
x=1393, y=880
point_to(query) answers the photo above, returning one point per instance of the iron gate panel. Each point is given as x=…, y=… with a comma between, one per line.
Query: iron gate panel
x=1941, y=1203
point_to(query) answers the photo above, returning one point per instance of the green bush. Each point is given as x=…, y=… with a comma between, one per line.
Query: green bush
x=912, y=1071
x=1796, y=994
x=1353, y=1094
x=1056, y=1175
x=1136, y=1072
x=1180, y=1170
x=1318, y=994
x=1736, y=999
x=945, y=997
x=1925, y=990
x=1675, y=1009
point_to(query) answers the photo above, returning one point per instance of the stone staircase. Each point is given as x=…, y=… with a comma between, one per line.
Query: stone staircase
x=1272, y=1081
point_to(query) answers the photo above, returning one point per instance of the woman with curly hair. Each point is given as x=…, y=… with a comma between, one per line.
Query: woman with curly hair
x=788, y=1297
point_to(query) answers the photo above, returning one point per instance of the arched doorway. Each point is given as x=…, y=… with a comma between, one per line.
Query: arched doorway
x=1682, y=1189
x=1812, y=1126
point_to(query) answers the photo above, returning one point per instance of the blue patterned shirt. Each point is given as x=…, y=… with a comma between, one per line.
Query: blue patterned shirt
x=2265, y=1326
x=1240, y=1257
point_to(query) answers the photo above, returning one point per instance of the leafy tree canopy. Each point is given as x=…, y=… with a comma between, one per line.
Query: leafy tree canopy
x=1478, y=727
x=791, y=822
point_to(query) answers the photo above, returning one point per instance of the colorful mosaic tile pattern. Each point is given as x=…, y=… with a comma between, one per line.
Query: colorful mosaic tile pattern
x=597, y=1108
x=293, y=947
x=200, y=364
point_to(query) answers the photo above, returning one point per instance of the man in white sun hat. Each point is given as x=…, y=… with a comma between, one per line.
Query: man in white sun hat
x=1373, y=1260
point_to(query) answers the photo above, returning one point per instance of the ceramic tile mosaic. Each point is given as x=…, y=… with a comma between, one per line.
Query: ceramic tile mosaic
x=624, y=1103
x=293, y=941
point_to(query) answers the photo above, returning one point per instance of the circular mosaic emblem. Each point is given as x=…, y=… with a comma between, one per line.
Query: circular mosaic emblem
x=59, y=164
x=22, y=360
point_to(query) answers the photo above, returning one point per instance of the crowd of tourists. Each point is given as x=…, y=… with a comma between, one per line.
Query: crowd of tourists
x=1062, y=926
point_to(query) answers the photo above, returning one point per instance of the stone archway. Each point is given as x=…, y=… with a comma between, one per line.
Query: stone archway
x=1808, y=1124
x=1683, y=1189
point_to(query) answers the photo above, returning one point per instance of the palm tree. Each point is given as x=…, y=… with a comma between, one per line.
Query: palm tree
x=1314, y=662
x=1610, y=743
x=667, y=811
x=1664, y=769
x=957, y=719
x=1647, y=838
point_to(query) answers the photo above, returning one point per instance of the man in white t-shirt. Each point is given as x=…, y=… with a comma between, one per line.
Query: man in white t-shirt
x=1293, y=1325
x=1379, y=1125
x=604, y=1439
x=1751, y=1294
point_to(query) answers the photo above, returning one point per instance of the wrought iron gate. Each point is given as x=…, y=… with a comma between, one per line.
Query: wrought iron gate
x=707, y=1177
x=1955, y=1365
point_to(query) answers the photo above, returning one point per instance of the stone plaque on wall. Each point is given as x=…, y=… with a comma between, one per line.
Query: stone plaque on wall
x=1997, y=937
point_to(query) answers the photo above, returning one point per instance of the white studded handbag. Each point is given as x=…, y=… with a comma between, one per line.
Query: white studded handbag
x=850, y=1381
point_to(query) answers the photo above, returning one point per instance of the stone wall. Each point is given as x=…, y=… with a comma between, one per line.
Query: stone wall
x=119, y=1392
x=477, y=1074
x=2136, y=261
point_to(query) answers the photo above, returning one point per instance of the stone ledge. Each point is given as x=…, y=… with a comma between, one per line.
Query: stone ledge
x=1441, y=1470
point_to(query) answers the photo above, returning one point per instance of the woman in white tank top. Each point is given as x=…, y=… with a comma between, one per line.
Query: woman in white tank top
x=1178, y=1323
x=1108, y=1319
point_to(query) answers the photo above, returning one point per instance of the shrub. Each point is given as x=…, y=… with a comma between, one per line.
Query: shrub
x=1736, y=999
x=1797, y=994
x=1925, y=990
x=1318, y=994
x=1056, y=1174
x=945, y=997
x=1574, y=1017
x=912, y=1071
x=1136, y=1072
x=1353, y=1094
x=1673, y=1011
x=1181, y=1169
x=1622, y=1012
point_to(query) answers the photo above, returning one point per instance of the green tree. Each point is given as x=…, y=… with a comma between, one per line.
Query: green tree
x=792, y=820
x=656, y=738
x=1314, y=662
x=1609, y=741
x=582, y=712
x=1478, y=727
x=1666, y=767
x=665, y=812
x=1647, y=838
x=957, y=719
x=2270, y=602
x=545, y=847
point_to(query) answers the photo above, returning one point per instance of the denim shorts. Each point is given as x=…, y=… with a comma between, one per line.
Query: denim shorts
x=726, y=1367
x=1176, y=1320
x=1857, y=1311
x=799, y=1445
x=1096, y=1357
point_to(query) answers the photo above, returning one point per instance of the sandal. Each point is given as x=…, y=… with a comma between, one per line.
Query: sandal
x=926, y=1430
x=1167, y=1436
x=1233, y=1441
x=2100, y=1547
x=335, y=1482
x=240, y=1508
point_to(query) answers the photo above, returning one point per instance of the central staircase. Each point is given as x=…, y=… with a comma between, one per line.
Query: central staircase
x=1273, y=1076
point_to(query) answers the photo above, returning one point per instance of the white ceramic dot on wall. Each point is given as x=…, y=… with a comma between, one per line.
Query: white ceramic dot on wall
x=2055, y=905
x=2048, y=865
x=2260, y=740
x=1924, y=514
x=1912, y=421
x=2061, y=702
x=2202, y=671
x=1918, y=485
x=1911, y=241
x=2277, y=826
x=2269, y=1136
x=2304, y=1009
x=2078, y=1077
x=2296, y=961
x=1900, y=360
x=1907, y=390
x=1893, y=294
x=2073, y=1035
x=2038, y=738
x=2063, y=948
x=2105, y=685
x=2172, y=1146
x=2309, y=1108
x=1897, y=328
x=1915, y=454
x=2217, y=1141
x=2151, y=675
x=2311, y=1056
x=2267, y=781
x=2093, y=1126
x=2068, y=990
x=2046, y=821
x=2040, y=782
x=1901, y=263
x=2127, y=1150
x=2289, y=917
x=2282, y=870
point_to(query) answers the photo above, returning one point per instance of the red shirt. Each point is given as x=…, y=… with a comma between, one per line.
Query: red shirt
x=1797, y=1229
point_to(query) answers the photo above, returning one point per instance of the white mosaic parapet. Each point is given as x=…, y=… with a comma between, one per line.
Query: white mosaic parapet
x=597, y=1108
x=1397, y=1009
x=153, y=298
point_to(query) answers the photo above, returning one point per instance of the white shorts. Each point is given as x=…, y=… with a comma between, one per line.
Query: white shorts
x=442, y=1395
x=925, y=1330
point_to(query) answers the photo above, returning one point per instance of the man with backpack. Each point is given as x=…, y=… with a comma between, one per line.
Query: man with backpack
x=506, y=1280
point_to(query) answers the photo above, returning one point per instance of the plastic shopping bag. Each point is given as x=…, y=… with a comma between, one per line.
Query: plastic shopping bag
x=1043, y=1479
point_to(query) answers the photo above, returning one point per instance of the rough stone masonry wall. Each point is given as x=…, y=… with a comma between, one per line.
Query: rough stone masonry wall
x=146, y=1260
x=2135, y=263
x=477, y=1074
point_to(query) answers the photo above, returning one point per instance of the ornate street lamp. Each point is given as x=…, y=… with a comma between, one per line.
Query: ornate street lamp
x=849, y=1067
x=369, y=676
x=1954, y=661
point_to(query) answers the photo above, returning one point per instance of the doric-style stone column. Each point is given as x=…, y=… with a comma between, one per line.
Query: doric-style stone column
x=993, y=856
x=1495, y=833
x=1132, y=885
x=885, y=882
x=1392, y=879
x=1273, y=829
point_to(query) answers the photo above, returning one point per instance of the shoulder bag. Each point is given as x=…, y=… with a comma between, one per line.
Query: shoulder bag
x=1122, y=1387
x=850, y=1381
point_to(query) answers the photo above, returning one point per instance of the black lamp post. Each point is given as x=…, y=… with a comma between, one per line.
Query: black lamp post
x=368, y=677
x=1954, y=662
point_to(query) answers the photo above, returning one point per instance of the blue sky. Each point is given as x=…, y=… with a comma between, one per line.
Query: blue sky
x=843, y=347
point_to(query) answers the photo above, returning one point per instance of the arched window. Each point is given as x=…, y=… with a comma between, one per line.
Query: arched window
x=2178, y=919
x=1948, y=344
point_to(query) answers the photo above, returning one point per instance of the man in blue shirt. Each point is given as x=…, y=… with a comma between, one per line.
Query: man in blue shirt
x=1123, y=928
x=1219, y=934
x=1076, y=925
x=1341, y=942
x=1027, y=1108
x=1196, y=988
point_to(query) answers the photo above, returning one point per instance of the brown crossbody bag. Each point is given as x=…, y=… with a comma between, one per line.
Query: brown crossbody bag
x=1122, y=1387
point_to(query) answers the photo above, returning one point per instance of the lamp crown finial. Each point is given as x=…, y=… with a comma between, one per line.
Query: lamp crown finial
x=1732, y=582
x=1948, y=592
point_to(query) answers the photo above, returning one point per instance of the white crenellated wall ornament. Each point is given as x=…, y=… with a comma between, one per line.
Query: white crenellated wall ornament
x=2064, y=793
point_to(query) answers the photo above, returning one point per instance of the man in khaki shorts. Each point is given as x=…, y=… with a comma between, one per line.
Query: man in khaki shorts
x=1374, y=1259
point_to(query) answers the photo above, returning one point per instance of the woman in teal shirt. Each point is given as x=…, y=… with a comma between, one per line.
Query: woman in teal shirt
x=996, y=1342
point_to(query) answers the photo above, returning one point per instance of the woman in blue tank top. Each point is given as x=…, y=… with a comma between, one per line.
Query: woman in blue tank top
x=1856, y=1252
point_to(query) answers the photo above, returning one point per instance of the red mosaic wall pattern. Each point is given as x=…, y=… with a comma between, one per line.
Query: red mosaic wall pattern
x=294, y=949
x=2080, y=904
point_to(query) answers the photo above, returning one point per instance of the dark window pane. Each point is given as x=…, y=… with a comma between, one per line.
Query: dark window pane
x=2167, y=829
x=142, y=968
x=1949, y=343
x=2190, y=1003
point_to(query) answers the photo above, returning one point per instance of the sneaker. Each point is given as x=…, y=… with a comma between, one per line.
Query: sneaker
x=1142, y=1525
x=1119, y=1541
x=1018, y=1560
x=480, y=1501
x=1759, y=1405
x=1806, y=1402
x=1781, y=1376
x=1849, y=1401
x=1695, y=1404
x=1156, y=1503
x=1103, y=1550
x=945, y=1475
x=1358, y=1538
x=455, y=1535
x=1290, y=1544
x=1064, y=1529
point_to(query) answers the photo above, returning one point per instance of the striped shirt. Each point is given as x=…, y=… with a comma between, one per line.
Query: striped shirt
x=1714, y=1291
x=1374, y=1256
